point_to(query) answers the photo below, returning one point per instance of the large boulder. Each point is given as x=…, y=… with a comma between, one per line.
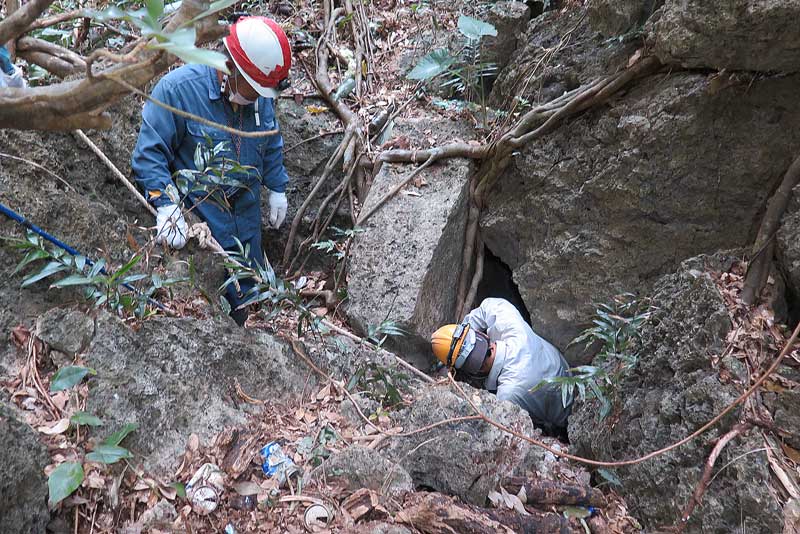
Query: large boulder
x=788, y=248
x=178, y=376
x=510, y=19
x=23, y=487
x=757, y=35
x=86, y=207
x=674, y=389
x=619, y=196
x=405, y=266
x=558, y=52
x=361, y=467
x=466, y=459
x=616, y=17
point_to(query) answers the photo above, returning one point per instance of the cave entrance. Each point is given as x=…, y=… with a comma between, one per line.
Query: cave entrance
x=498, y=281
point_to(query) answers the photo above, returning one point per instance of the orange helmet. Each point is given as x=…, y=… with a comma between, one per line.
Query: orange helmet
x=457, y=345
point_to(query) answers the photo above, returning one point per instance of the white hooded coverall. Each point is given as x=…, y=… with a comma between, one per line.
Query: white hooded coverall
x=522, y=360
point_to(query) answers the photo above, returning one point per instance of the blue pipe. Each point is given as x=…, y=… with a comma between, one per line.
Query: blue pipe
x=8, y=212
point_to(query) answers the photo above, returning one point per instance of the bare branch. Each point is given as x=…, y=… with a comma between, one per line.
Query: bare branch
x=55, y=19
x=17, y=22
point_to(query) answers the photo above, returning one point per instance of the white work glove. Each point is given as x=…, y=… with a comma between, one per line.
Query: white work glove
x=15, y=79
x=170, y=226
x=277, y=208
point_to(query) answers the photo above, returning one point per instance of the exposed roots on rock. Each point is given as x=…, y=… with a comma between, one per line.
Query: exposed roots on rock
x=764, y=246
x=697, y=496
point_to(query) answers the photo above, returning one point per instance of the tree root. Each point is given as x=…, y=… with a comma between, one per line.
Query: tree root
x=703, y=484
x=16, y=23
x=764, y=246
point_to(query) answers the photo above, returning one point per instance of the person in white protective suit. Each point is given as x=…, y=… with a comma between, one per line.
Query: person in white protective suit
x=10, y=74
x=494, y=343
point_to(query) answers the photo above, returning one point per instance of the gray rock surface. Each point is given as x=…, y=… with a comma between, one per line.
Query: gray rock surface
x=23, y=487
x=177, y=376
x=785, y=414
x=404, y=266
x=65, y=330
x=366, y=468
x=758, y=35
x=558, y=52
x=465, y=459
x=788, y=248
x=379, y=527
x=305, y=155
x=616, y=17
x=672, y=391
x=510, y=19
x=620, y=196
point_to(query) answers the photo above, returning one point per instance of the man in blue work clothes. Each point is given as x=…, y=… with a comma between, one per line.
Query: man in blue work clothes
x=260, y=58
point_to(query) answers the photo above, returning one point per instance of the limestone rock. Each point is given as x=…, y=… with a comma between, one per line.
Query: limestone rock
x=23, y=487
x=786, y=415
x=177, y=376
x=366, y=468
x=379, y=527
x=405, y=266
x=465, y=459
x=616, y=17
x=510, y=19
x=672, y=391
x=757, y=35
x=619, y=196
x=545, y=66
x=788, y=248
x=67, y=331
x=305, y=157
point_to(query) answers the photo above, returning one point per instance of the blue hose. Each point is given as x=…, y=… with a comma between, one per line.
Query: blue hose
x=11, y=214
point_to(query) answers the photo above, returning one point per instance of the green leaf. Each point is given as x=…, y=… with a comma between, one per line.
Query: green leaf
x=181, y=44
x=180, y=489
x=474, y=28
x=83, y=418
x=609, y=477
x=63, y=480
x=66, y=377
x=127, y=267
x=33, y=255
x=213, y=7
x=155, y=8
x=74, y=280
x=108, y=454
x=117, y=437
x=432, y=65
x=97, y=268
x=50, y=269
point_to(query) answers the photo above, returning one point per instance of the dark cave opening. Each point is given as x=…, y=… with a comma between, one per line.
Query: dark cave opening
x=498, y=281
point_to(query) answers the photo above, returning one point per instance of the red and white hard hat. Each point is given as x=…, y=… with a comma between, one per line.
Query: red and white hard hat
x=261, y=52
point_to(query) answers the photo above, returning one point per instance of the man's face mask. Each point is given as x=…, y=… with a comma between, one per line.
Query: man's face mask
x=233, y=92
